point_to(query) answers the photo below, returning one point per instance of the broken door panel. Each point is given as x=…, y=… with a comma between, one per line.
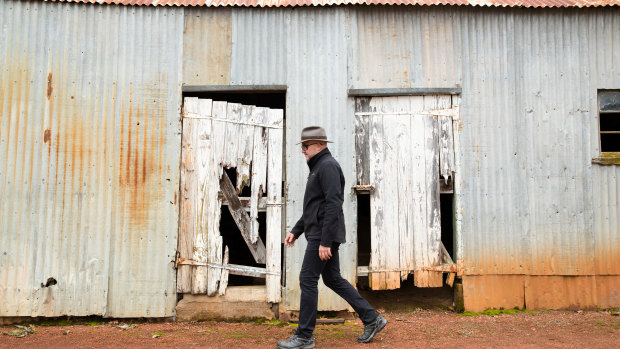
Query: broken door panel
x=400, y=142
x=218, y=135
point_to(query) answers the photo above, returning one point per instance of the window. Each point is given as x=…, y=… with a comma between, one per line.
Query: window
x=609, y=127
x=609, y=120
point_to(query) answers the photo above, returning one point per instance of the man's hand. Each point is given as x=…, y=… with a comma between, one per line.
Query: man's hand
x=325, y=253
x=290, y=240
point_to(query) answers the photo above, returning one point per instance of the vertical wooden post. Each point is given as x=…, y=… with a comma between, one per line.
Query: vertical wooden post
x=187, y=204
x=205, y=197
x=274, y=201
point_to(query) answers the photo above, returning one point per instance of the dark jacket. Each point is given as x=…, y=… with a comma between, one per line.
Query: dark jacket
x=323, y=218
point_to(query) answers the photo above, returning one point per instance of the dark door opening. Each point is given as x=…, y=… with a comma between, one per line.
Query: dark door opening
x=447, y=222
x=267, y=99
x=363, y=236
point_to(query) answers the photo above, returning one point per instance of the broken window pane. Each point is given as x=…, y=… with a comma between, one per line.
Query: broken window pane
x=609, y=121
x=609, y=101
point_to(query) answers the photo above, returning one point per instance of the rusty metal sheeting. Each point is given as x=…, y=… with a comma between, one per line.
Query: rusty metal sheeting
x=541, y=292
x=89, y=153
x=292, y=3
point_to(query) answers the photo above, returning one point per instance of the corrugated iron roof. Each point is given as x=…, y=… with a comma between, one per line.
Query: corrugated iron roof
x=291, y=3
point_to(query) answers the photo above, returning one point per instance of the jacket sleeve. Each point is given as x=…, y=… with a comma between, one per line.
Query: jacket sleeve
x=298, y=229
x=332, y=189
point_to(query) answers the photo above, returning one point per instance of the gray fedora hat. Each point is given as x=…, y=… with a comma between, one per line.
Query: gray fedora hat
x=313, y=133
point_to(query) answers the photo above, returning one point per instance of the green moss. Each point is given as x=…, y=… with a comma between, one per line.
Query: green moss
x=496, y=312
x=56, y=322
x=157, y=333
x=93, y=323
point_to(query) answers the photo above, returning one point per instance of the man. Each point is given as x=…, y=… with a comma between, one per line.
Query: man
x=323, y=223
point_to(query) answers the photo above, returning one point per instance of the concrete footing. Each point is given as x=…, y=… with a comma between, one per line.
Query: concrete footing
x=239, y=303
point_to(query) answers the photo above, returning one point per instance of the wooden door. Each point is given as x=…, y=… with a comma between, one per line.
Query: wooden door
x=403, y=145
x=218, y=135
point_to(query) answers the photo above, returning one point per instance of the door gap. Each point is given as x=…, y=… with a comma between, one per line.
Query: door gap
x=238, y=250
x=363, y=236
x=446, y=202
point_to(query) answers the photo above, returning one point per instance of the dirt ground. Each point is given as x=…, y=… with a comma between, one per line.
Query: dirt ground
x=426, y=322
x=417, y=329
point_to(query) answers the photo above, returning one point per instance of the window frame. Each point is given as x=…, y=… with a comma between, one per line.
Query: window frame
x=604, y=158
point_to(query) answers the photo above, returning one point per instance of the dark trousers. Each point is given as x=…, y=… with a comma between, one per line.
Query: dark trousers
x=311, y=269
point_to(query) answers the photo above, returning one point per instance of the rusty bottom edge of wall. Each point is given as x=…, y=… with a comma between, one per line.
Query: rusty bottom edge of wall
x=541, y=292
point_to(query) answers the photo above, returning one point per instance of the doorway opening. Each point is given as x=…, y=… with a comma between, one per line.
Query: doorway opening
x=239, y=252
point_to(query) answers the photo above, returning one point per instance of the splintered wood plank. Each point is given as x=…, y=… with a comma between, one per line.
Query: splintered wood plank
x=362, y=146
x=244, y=152
x=187, y=204
x=274, y=201
x=242, y=219
x=446, y=147
x=432, y=190
x=215, y=257
x=259, y=169
x=435, y=278
x=214, y=237
x=377, y=280
x=450, y=279
x=219, y=143
x=224, y=276
x=427, y=278
x=233, y=113
x=203, y=152
x=444, y=255
x=391, y=234
x=404, y=194
x=420, y=278
x=418, y=193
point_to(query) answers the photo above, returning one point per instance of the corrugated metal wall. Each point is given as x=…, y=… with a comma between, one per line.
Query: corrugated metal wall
x=527, y=189
x=528, y=195
x=89, y=154
x=529, y=199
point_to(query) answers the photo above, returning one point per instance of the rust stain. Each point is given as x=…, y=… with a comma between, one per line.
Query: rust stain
x=47, y=136
x=138, y=163
x=50, y=88
x=297, y=3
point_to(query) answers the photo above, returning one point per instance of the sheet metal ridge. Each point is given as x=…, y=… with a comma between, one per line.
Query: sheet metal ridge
x=295, y=3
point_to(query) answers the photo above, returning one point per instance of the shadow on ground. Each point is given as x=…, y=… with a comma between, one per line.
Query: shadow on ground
x=409, y=298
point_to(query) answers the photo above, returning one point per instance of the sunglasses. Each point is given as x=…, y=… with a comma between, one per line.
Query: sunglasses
x=306, y=146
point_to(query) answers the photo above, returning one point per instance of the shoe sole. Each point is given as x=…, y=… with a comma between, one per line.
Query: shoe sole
x=381, y=326
x=309, y=346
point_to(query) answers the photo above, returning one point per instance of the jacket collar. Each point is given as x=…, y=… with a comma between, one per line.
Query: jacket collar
x=313, y=160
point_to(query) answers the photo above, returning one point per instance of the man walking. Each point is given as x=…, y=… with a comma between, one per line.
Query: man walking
x=323, y=223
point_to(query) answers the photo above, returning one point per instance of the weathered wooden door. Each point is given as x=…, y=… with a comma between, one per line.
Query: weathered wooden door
x=403, y=145
x=218, y=135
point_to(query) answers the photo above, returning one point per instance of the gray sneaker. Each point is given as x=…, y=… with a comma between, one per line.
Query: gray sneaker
x=297, y=342
x=372, y=329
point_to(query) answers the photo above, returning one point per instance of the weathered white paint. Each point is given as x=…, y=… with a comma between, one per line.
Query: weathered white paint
x=187, y=200
x=208, y=150
x=205, y=204
x=246, y=142
x=274, y=205
x=259, y=168
x=404, y=148
x=224, y=275
x=446, y=147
